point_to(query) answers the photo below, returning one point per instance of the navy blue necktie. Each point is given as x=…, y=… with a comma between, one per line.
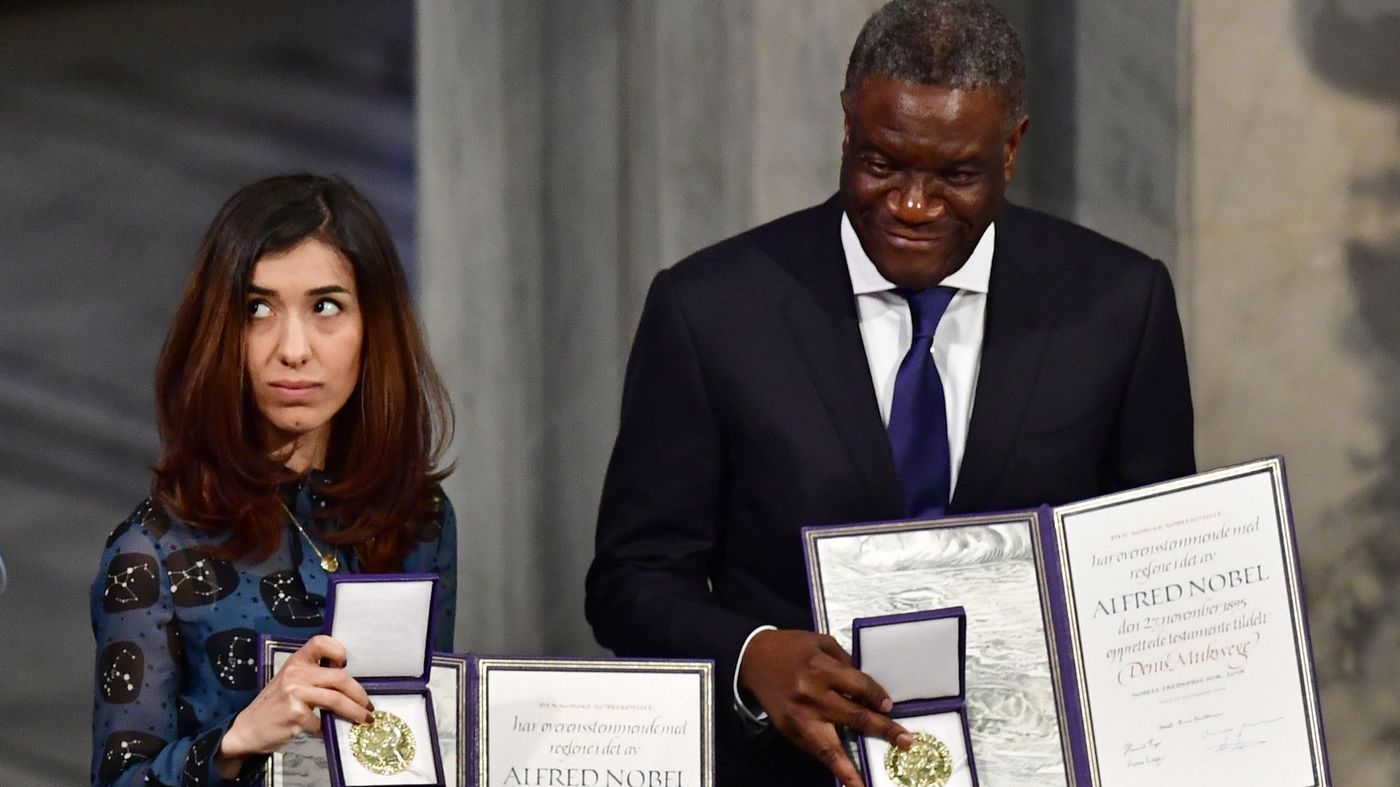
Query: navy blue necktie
x=918, y=419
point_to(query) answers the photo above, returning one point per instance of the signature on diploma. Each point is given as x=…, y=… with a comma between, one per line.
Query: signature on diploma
x=1140, y=754
x=1243, y=736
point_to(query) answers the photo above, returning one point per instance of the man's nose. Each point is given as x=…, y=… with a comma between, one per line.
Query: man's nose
x=916, y=201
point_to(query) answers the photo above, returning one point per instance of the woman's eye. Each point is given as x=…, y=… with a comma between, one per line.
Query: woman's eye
x=258, y=309
x=326, y=307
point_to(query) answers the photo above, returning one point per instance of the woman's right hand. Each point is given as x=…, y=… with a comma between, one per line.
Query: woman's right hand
x=287, y=705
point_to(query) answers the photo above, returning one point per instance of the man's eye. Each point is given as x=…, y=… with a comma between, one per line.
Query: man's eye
x=327, y=307
x=963, y=177
x=879, y=167
x=257, y=309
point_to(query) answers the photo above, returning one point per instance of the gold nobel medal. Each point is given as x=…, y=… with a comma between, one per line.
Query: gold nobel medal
x=385, y=745
x=927, y=763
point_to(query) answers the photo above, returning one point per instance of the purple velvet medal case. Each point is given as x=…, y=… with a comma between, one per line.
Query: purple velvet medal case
x=385, y=622
x=919, y=658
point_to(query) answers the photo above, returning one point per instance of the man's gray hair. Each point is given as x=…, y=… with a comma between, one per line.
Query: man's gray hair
x=956, y=43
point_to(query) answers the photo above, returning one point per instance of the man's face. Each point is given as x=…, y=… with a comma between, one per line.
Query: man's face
x=923, y=171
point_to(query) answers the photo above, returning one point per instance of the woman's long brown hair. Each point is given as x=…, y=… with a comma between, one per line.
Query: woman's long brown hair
x=385, y=442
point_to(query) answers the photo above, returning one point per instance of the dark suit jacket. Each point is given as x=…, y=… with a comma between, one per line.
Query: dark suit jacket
x=748, y=412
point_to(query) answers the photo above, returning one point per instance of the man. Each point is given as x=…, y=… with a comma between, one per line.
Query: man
x=912, y=347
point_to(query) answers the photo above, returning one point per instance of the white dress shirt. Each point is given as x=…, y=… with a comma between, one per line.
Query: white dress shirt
x=886, y=329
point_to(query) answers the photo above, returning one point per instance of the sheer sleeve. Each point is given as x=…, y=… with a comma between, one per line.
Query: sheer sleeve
x=136, y=730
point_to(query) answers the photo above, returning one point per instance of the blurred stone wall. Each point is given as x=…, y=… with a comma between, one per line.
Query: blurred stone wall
x=123, y=127
x=1293, y=243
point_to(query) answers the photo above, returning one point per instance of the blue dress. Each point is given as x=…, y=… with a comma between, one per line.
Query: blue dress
x=177, y=635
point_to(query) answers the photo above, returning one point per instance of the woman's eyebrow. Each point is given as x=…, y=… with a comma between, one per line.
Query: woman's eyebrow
x=328, y=289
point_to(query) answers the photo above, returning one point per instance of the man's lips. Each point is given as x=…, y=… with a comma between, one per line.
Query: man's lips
x=913, y=241
x=905, y=236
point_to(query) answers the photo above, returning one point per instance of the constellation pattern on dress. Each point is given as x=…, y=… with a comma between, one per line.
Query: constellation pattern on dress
x=122, y=667
x=163, y=588
x=233, y=657
x=197, y=761
x=125, y=747
x=154, y=520
x=286, y=598
x=197, y=578
x=131, y=582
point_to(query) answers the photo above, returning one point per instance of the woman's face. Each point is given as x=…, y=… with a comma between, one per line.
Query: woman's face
x=302, y=347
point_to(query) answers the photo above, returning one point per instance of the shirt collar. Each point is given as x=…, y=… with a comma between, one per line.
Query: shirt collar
x=974, y=275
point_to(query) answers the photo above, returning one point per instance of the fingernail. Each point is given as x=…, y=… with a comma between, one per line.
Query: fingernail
x=887, y=705
x=371, y=706
x=904, y=741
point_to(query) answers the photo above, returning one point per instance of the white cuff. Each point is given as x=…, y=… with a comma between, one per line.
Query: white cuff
x=759, y=716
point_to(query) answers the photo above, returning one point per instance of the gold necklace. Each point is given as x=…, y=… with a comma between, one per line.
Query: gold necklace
x=329, y=561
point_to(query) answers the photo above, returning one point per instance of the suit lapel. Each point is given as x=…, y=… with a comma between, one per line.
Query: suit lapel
x=820, y=313
x=1013, y=346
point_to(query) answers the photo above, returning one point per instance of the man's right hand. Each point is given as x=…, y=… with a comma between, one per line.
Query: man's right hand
x=807, y=686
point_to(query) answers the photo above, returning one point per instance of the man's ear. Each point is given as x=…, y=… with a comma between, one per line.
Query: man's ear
x=1013, y=146
x=845, y=120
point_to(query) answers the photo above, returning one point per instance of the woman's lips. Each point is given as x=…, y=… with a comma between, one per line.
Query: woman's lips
x=296, y=390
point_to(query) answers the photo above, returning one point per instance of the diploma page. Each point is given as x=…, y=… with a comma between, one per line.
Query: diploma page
x=593, y=723
x=1187, y=627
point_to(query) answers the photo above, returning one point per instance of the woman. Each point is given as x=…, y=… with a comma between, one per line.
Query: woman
x=301, y=421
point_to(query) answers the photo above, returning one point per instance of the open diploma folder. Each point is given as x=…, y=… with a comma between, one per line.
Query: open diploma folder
x=1151, y=637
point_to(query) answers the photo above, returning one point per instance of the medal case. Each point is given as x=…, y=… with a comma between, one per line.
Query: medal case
x=385, y=622
x=919, y=659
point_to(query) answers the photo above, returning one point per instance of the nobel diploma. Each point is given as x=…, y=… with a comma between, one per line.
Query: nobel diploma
x=1192, y=654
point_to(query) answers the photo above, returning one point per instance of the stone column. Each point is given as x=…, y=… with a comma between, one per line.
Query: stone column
x=1255, y=146
x=569, y=149
x=480, y=186
x=1131, y=70
x=1294, y=240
